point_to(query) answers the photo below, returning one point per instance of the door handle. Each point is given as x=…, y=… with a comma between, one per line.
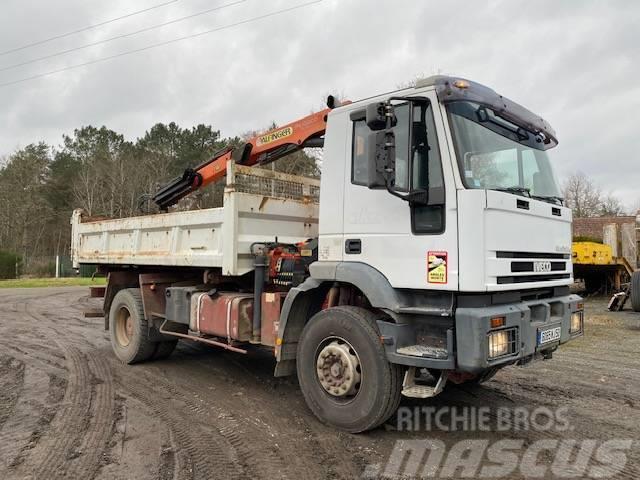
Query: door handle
x=353, y=246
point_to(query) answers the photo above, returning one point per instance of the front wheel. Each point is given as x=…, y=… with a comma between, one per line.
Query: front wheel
x=343, y=371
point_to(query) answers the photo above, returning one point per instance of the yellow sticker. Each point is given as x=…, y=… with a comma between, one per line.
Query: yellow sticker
x=437, y=267
x=274, y=136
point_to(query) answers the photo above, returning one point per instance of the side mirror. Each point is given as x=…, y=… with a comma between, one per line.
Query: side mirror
x=381, y=149
x=381, y=159
x=376, y=116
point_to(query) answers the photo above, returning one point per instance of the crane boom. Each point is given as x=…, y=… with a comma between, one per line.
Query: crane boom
x=264, y=148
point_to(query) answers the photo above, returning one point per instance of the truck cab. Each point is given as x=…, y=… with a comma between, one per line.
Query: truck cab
x=436, y=250
x=466, y=247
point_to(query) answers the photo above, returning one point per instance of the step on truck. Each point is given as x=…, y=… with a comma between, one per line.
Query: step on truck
x=435, y=248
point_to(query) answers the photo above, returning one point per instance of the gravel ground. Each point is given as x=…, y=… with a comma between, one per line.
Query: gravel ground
x=69, y=409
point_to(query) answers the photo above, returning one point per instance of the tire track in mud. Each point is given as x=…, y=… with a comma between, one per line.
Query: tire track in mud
x=71, y=451
x=61, y=452
x=78, y=432
x=17, y=431
x=53, y=450
x=600, y=365
x=580, y=427
x=239, y=436
x=288, y=426
x=207, y=457
x=236, y=433
x=93, y=446
x=498, y=394
x=35, y=354
x=12, y=381
x=566, y=390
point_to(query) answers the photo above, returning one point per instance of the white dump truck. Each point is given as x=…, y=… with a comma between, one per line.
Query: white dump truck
x=435, y=248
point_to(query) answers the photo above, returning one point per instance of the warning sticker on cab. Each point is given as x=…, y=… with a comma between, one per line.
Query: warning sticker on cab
x=437, y=267
x=273, y=136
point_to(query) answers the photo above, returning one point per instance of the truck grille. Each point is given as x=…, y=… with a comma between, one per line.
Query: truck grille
x=536, y=255
x=523, y=265
x=528, y=266
x=533, y=278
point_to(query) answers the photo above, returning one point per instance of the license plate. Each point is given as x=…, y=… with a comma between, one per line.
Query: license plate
x=549, y=335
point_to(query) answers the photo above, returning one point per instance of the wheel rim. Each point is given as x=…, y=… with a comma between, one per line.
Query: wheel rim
x=124, y=327
x=338, y=369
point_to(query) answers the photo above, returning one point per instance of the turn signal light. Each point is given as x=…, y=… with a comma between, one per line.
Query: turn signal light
x=497, y=322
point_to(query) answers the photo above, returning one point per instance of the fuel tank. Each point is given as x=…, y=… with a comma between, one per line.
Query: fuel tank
x=226, y=315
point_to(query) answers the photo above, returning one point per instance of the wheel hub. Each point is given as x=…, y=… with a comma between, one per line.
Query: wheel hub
x=129, y=326
x=124, y=327
x=338, y=369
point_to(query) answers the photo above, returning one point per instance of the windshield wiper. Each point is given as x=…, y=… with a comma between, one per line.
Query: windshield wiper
x=555, y=198
x=524, y=191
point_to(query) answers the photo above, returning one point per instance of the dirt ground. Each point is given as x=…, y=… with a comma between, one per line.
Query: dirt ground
x=69, y=409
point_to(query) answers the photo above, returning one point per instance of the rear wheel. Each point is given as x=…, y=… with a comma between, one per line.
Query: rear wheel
x=343, y=371
x=128, y=328
x=635, y=291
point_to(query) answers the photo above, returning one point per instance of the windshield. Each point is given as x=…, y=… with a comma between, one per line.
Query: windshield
x=495, y=154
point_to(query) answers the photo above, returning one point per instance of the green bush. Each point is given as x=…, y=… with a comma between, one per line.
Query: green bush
x=8, y=263
x=40, y=267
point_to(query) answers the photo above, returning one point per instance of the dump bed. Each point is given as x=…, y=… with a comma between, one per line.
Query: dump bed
x=259, y=205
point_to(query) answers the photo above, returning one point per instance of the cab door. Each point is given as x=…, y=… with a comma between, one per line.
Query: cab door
x=413, y=246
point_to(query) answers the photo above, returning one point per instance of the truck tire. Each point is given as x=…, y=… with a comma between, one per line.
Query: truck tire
x=635, y=291
x=128, y=328
x=164, y=349
x=343, y=371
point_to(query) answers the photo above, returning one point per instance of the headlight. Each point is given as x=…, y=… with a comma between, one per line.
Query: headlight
x=502, y=342
x=576, y=322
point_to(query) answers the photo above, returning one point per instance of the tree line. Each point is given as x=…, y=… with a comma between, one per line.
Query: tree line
x=100, y=171
x=586, y=199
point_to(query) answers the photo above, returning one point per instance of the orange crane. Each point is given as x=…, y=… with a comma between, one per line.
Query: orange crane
x=264, y=148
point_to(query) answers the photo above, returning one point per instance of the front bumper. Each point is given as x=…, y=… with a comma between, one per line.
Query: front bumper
x=464, y=345
x=526, y=319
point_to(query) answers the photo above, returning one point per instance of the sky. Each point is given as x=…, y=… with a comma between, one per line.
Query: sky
x=575, y=63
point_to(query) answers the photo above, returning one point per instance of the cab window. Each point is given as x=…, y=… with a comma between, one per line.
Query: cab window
x=418, y=162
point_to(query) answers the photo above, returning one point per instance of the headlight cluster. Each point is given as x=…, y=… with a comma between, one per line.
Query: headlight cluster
x=503, y=343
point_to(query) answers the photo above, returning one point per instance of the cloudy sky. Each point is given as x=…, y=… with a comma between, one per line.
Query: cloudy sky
x=576, y=63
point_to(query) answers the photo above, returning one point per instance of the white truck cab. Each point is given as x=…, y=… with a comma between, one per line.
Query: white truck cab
x=490, y=197
x=439, y=202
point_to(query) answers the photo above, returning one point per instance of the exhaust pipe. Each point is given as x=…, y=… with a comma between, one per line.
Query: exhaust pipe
x=260, y=264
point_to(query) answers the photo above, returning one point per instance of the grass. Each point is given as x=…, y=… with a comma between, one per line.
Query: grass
x=52, y=282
